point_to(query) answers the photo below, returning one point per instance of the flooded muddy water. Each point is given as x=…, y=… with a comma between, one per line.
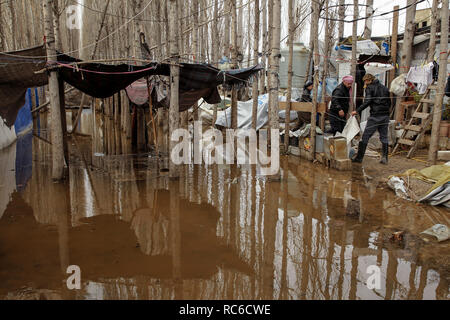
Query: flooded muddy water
x=219, y=232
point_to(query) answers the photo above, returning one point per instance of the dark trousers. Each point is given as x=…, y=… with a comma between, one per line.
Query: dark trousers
x=337, y=123
x=374, y=123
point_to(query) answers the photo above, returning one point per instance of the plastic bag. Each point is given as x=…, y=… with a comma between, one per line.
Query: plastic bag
x=398, y=85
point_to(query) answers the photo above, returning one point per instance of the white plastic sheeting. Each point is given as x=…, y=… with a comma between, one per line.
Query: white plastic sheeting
x=245, y=113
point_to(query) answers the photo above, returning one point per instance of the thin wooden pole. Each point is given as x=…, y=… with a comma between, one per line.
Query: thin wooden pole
x=274, y=74
x=174, y=112
x=234, y=113
x=434, y=20
x=341, y=14
x=354, y=49
x=394, y=44
x=255, y=92
x=369, y=14
x=265, y=47
x=215, y=49
x=290, y=73
x=315, y=26
x=437, y=111
x=56, y=131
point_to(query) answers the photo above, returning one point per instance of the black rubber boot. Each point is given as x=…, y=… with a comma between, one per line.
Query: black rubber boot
x=361, y=151
x=384, y=157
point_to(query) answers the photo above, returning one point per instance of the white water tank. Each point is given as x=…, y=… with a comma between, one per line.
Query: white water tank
x=300, y=59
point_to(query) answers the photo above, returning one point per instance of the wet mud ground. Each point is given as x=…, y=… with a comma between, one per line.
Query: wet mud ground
x=219, y=232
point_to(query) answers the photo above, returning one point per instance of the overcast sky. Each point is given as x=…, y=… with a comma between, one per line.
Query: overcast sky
x=381, y=25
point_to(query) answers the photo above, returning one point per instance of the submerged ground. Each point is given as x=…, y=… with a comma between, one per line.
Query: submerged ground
x=220, y=232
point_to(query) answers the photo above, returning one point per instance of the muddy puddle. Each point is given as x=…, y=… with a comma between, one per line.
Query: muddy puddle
x=220, y=232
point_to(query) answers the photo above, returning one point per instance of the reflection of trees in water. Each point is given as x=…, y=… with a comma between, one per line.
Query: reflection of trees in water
x=293, y=234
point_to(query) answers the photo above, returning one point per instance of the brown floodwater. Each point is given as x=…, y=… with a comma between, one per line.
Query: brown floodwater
x=219, y=232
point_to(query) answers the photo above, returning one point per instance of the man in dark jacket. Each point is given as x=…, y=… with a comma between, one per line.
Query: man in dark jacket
x=340, y=102
x=377, y=97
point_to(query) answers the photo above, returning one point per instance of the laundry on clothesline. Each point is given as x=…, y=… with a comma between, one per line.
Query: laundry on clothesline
x=422, y=75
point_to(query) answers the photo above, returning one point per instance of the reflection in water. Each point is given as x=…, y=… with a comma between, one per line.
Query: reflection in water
x=137, y=235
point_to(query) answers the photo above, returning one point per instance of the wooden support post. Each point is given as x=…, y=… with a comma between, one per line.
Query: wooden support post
x=215, y=49
x=274, y=76
x=433, y=27
x=341, y=14
x=315, y=26
x=368, y=25
x=62, y=105
x=394, y=44
x=352, y=107
x=234, y=113
x=265, y=48
x=406, y=49
x=325, y=60
x=56, y=133
x=174, y=109
x=437, y=111
x=289, y=84
x=255, y=91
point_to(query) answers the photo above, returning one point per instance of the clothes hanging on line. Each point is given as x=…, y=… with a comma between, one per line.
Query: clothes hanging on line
x=422, y=75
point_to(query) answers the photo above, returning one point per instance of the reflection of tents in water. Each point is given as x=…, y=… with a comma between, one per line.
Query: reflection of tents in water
x=105, y=247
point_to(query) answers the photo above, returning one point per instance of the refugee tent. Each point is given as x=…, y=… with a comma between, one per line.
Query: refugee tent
x=18, y=72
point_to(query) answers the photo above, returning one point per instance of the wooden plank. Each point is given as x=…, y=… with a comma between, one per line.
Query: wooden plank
x=406, y=141
x=427, y=101
x=421, y=115
x=303, y=106
x=413, y=128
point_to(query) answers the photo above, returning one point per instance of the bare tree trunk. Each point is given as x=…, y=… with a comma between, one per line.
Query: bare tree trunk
x=234, y=113
x=56, y=131
x=354, y=49
x=434, y=21
x=195, y=47
x=265, y=46
x=290, y=73
x=312, y=35
x=408, y=36
x=226, y=28
x=58, y=45
x=315, y=27
x=255, y=92
x=240, y=31
x=13, y=25
x=215, y=49
x=174, y=112
x=437, y=111
x=369, y=14
x=249, y=46
x=195, y=42
x=341, y=16
x=2, y=39
x=274, y=69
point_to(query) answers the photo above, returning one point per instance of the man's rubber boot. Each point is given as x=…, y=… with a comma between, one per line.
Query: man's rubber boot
x=361, y=151
x=384, y=157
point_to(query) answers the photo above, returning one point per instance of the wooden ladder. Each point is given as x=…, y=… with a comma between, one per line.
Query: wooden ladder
x=417, y=125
